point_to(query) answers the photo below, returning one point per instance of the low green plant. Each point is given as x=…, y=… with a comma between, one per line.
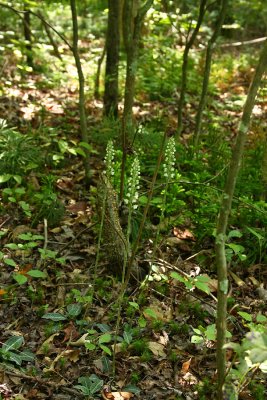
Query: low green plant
x=234, y=252
x=139, y=347
x=202, y=335
x=48, y=255
x=200, y=282
x=47, y=203
x=16, y=195
x=29, y=241
x=10, y=351
x=72, y=312
x=90, y=385
x=19, y=153
x=251, y=356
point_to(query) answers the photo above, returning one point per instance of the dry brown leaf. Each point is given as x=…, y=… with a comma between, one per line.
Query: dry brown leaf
x=71, y=333
x=157, y=349
x=108, y=395
x=186, y=366
x=237, y=280
x=183, y=234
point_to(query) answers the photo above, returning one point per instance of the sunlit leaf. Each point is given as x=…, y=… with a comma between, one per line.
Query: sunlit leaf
x=20, y=279
x=54, y=317
x=36, y=273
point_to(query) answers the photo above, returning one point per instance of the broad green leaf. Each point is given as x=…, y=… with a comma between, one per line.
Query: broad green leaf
x=63, y=145
x=36, y=273
x=9, y=261
x=177, y=276
x=198, y=331
x=91, y=331
x=151, y=313
x=134, y=305
x=237, y=248
x=228, y=334
x=74, y=309
x=245, y=316
x=211, y=332
x=105, y=349
x=104, y=328
x=235, y=346
x=127, y=336
x=197, y=339
x=12, y=246
x=17, y=178
x=105, y=364
x=73, y=151
x=258, y=355
x=203, y=278
x=106, y=338
x=14, y=357
x=132, y=389
x=261, y=318
x=90, y=346
x=263, y=367
x=20, y=279
x=80, y=152
x=188, y=284
x=255, y=233
x=83, y=389
x=13, y=343
x=32, y=244
x=89, y=384
x=4, y=178
x=142, y=322
x=27, y=355
x=235, y=233
x=96, y=385
x=202, y=286
x=85, y=145
x=54, y=317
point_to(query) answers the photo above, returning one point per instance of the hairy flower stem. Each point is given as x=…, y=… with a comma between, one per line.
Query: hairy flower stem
x=129, y=263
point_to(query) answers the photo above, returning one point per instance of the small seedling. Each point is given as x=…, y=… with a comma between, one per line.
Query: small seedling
x=90, y=385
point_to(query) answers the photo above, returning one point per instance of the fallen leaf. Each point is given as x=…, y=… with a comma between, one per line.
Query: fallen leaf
x=186, y=366
x=157, y=349
x=108, y=395
x=183, y=234
x=237, y=280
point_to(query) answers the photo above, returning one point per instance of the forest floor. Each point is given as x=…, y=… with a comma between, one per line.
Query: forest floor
x=155, y=357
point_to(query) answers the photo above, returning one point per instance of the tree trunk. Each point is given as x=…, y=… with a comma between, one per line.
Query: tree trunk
x=98, y=72
x=112, y=60
x=225, y=210
x=133, y=17
x=205, y=84
x=189, y=44
x=28, y=36
x=82, y=113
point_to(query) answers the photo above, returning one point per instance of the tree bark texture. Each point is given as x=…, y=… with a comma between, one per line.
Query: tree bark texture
x=112, y=60
x=28, y=36
x=133, y=17
x=205, y=84
x=188, y=46
x=82, y=113
x=225, y=210
x=98, y=72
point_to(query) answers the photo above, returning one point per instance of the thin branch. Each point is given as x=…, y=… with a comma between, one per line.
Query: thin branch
x=18, y=12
